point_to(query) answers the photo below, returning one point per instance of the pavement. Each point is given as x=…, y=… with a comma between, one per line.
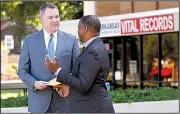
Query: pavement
x=171, y=106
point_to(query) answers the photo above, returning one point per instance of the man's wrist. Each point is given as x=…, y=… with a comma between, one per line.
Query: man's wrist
x=57, y=71
x=34, y=88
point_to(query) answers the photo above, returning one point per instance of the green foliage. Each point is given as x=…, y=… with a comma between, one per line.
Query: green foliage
x=119, y=96
x=27, y=12
x=169, y=45
x=19, y=101
x=147, y=94
x=150, y=47
x=70, y=10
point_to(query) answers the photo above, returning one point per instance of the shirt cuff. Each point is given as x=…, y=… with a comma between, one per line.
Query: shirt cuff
x=56, y=73
x=34, y=89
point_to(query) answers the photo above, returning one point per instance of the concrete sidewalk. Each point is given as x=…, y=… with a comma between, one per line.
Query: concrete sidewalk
x=171, y=106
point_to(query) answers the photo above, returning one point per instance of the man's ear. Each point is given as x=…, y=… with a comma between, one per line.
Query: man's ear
x=85, y=28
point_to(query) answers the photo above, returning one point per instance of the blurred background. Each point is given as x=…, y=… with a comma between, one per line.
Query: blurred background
x=127, y=52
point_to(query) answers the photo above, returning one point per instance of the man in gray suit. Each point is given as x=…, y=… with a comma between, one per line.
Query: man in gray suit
x=87, y=92
x=32, y=70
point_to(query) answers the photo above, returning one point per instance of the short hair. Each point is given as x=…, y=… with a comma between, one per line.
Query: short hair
x=91, y=21
x=46, y=5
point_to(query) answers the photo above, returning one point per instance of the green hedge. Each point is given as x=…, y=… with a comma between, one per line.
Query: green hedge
x=146, y=94
x=20, y=101
x=118, y=96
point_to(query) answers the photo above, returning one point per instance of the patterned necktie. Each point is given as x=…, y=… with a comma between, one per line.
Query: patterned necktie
x=50, y=48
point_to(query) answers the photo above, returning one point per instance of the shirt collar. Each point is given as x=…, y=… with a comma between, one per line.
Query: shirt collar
x=89, y=41
x=47, y=35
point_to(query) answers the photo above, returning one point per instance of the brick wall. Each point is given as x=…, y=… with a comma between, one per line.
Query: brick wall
x=106, y=8
x=164, y=4
x=125, y=7
x=140, y=6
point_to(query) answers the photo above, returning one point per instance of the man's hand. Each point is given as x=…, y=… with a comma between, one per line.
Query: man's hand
x=52, y=65
x=40, y=85
x=62, y=89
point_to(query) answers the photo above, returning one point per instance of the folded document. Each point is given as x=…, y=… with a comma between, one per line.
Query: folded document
x=53, y=82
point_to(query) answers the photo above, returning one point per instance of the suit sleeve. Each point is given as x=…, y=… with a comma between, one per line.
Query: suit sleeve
x=89, y=68
x=75, y=52
x=24, y=66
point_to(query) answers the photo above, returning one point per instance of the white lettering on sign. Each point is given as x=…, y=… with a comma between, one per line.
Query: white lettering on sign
x=129, y=26
x=147, y=24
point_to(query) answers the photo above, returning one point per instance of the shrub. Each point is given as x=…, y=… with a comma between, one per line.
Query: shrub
x=118, y=96
x=146, y=94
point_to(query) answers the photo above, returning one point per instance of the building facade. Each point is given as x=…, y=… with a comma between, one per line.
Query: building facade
x=139, y=56
x=107, y=8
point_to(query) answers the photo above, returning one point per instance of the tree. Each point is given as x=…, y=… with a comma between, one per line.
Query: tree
x=27, y=12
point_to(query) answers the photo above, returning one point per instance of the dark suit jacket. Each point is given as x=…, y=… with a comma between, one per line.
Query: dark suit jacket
x=88, y=92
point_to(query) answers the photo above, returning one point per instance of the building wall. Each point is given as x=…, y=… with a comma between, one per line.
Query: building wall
x=125, y=7
x=140, y=6
x=106, y=8
x=165, y=4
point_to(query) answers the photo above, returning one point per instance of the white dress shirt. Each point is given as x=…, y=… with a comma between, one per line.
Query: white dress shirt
x=86, y=44
x=47, y=38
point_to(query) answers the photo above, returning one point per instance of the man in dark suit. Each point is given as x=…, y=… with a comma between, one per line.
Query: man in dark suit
x=87, y=92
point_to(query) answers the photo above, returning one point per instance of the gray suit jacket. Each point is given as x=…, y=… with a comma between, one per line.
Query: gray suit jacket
x=32, y=67
x=88, y=92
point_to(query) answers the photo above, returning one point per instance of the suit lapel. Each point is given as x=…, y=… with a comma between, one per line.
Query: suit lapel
x=41, y=43
x=60, y=43
x=95, y=40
